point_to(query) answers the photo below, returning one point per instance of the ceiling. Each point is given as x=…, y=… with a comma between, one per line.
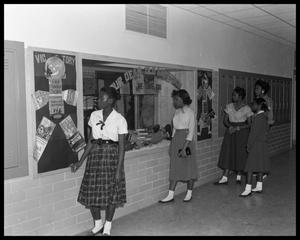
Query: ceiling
x=276, y=22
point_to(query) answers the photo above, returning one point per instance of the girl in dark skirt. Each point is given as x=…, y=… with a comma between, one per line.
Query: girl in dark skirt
x=182, y=152
x=233, y=150
x=258, y=160
x=261, y=91
x=103, y=183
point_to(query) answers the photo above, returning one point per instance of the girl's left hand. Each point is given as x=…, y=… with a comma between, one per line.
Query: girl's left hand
x=183, y=153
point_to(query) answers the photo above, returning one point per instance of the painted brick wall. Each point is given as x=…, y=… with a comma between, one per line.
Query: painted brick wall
x=48, y=206
x=279, y=138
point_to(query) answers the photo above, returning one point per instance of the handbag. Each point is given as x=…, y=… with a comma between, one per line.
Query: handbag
x=187, y=151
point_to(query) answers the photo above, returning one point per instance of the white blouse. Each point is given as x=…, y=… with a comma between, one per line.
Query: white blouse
x=114, y=124
x=240, y=115
x=184, y=118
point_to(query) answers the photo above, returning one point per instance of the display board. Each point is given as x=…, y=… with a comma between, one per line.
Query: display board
x=55, y=99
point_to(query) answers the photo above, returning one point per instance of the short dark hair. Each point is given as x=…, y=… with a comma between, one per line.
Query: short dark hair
x=262, y=102
x=184, y=95
x=240, y=91
x=263, y=84
x=112, y=93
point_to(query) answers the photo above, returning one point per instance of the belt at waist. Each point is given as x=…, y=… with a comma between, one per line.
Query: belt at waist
x=238, y=123
x=182, y=129
x=103, y=141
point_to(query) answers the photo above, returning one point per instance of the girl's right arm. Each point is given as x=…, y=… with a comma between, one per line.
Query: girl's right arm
x=227, y=123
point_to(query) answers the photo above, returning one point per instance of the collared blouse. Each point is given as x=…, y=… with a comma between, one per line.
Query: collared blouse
x=114, y=124
x=184, y=118
x=240, y=115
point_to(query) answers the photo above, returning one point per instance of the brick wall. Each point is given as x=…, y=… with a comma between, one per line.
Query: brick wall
x=279, y=138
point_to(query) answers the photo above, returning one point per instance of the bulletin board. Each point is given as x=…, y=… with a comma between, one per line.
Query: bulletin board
x=51, y=112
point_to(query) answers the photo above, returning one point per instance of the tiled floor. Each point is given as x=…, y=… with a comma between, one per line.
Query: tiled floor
x=217, y=210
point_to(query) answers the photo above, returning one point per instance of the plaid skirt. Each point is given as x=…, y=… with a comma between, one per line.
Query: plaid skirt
x=99, y=187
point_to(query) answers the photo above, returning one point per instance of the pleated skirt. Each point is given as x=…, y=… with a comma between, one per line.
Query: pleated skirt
x=182, y=169
x=233, y=153
x=99, y=187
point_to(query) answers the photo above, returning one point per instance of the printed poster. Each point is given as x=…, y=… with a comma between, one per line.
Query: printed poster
x=40, y=99
x=56, y=103
x=74, y=138
x=205, y=113
x=70, y=96
x=43, y=134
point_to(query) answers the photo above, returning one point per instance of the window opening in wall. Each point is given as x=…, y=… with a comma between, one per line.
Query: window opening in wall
x=144, y=98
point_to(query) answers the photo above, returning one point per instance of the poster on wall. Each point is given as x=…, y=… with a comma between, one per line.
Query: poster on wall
x=43, y=134
x=75, y=139
x=40, y=99
x=205, y=113
x=145, y=84
x=55, y=98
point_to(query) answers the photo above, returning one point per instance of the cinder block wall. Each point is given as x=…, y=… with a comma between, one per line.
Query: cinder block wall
x=48, y=206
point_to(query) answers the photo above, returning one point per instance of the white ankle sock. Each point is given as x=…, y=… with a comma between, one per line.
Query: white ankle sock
x=107, y=227
x=265, y=175
x=188, y=195
x=98, y=226
x=238, y=177
x=247, y=189
x=223, y=179
x=258, y=187
x=169, y=197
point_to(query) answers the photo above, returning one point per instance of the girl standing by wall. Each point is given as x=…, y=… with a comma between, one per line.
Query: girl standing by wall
x=183, y=165
x=103, y=183
x=233, y=153
x=261, y=89
x=258, y=158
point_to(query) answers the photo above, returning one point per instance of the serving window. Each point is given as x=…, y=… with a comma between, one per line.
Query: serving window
x=144, y=97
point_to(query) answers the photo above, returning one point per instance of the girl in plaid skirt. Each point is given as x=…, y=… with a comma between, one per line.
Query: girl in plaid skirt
x=103, y=184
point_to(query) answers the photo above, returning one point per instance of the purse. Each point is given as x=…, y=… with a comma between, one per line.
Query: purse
x=187, y=151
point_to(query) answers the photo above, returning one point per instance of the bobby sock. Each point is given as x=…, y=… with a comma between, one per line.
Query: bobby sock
x=223, y=179
x=188, y=195
x=265, y=175
x=169, y=197
x=238, y=177
x=258, y=187
x=107, y=227
x=247, y=189
x=98, y=225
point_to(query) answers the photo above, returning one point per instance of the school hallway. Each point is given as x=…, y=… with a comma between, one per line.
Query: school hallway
x=218, y=210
